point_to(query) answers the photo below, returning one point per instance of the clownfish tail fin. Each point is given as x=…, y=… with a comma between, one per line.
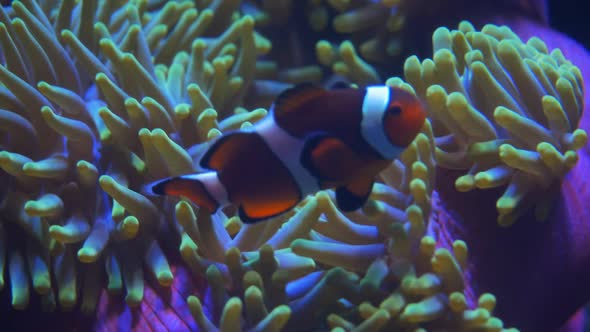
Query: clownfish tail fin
x=204, y=189
x=157, y=188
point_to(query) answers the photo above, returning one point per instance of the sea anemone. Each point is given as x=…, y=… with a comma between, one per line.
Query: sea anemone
x=378, y=26
x=90, y=113
x=505, y=110
x=368, y=270
x=529, y=262
x=88, y=117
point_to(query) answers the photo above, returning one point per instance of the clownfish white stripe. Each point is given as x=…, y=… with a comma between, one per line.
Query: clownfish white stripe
x=289, y=150
x=374, y=107
x=213, y=186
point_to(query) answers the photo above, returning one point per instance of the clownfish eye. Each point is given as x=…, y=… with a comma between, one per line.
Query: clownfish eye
x=395, y=110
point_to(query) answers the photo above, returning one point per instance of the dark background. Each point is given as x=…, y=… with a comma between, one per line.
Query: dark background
x=571, y=17
x=568, y=16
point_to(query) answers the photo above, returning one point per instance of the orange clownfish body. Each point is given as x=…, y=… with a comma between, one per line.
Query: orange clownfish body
x=312, y=139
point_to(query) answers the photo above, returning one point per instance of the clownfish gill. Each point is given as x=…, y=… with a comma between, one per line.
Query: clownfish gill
x=312, y=139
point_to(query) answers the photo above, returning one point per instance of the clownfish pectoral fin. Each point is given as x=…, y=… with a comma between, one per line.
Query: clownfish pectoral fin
x=262, y=205
x=190, y=186
x=354, y=195
x=255, y=212
x=247, y=219
x=223, y=149
x=328, y=158
x=292, y=98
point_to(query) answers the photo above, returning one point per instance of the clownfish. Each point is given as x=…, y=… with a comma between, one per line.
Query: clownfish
x=311, y=139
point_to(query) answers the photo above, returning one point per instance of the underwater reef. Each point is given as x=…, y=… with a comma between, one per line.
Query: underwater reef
x=480, y=225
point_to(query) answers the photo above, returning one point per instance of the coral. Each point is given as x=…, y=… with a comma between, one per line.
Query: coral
x=505, y=110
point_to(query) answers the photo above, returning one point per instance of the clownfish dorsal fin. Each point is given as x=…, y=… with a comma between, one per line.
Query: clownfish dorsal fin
x=223, y=148
x=339, y=85
x=290, y=99
x=355, y=194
